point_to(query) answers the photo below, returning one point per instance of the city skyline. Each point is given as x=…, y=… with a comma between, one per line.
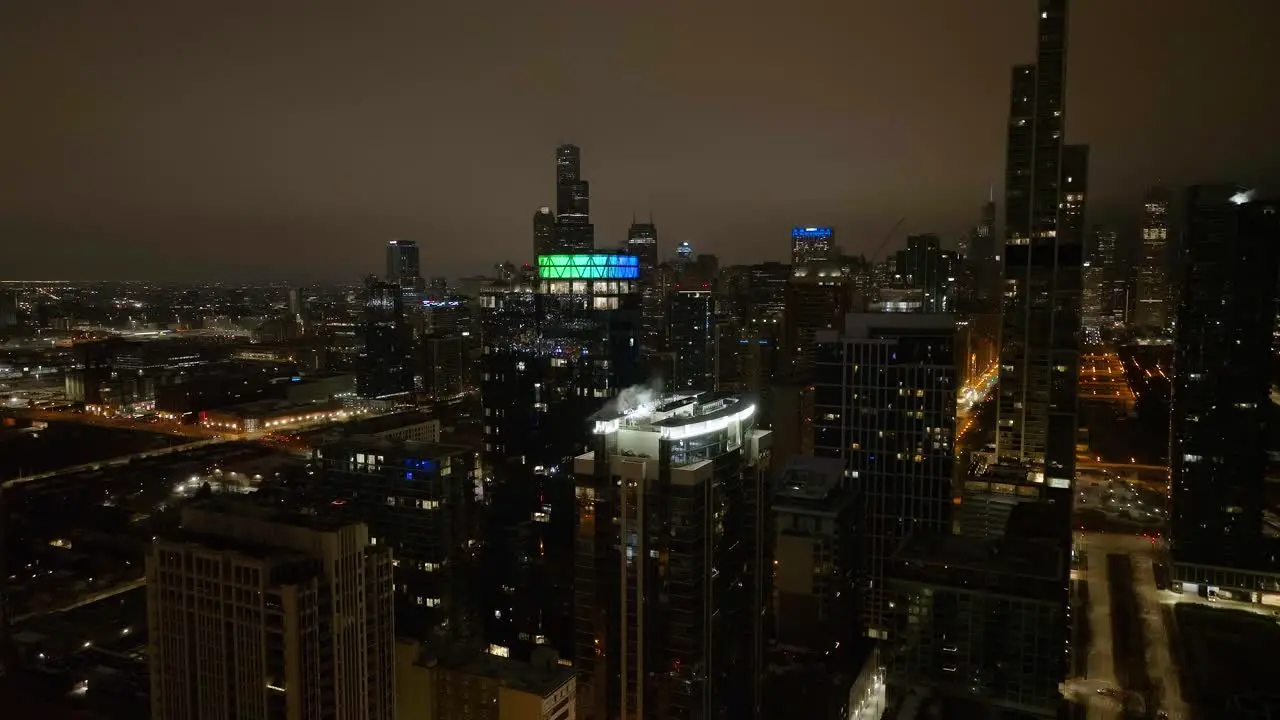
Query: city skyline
x=178, y=160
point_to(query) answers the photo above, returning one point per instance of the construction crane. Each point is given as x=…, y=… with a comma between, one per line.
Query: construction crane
x=888, y=236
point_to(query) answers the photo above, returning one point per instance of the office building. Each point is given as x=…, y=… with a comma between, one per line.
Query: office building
x=444, y=361
x=672, y=567
x=403, y=269
x=1152, y=311
x=383, y=365
x=1040, y=348
x=418, y=500
x=442, y=681
x=693, y=340
x=254, y=612
x=885, y=403
x=1094, y=291
x=815, y=551
x=642, y=241
x=1221, y=408
x=1114, y=277
x=544, y=232
x=923, y=266
x=812, y=245
x=818, y=297
x=574, y=232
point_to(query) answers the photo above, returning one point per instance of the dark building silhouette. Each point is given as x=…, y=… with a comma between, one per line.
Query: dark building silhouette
x=693, y=340
x=384, y=363
x=544, y=232
x=403, y=269
x=574, y=232
x=1221, y=410
x=1040, y=346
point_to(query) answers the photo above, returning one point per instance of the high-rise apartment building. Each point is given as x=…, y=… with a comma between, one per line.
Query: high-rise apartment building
x=815, y=551
x=982, y=619
x=1221, y=385
x=417, y=498
x=671, y=567
x=885, y=403
x=1152, y=311
x=574, y=232
x=1040, y=346
x=812, y=245
x=384, y=364
x=693, y=340
x=555, y=350
x=254, y=612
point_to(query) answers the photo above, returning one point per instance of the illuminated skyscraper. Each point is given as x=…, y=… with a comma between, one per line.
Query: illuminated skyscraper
x=574, y=232
x=555, y=350
x=1152, y=311
x=1040, y=347
x=1221, y=410
x=671, y=561
x=811, y=244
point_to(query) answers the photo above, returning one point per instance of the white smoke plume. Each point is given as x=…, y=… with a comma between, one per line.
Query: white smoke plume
x=647, y=395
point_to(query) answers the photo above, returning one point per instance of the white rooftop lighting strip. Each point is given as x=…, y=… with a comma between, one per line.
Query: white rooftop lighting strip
x=680, y=432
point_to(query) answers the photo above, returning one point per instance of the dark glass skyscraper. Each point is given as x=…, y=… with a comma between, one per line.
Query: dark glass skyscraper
x=574, y=232
x=1040, y=349
x=693, y=335
x=383, y=366
x=544, y=232
x=403, y=269
x=1222, y=378
x=642, y=241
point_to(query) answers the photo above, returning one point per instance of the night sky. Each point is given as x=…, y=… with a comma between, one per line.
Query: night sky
x=259, y=139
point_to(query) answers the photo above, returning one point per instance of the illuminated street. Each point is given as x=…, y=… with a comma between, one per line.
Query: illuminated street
x=1115, y=668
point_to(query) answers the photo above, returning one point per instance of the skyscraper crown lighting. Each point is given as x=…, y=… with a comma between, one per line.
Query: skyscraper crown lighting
x=595, y=266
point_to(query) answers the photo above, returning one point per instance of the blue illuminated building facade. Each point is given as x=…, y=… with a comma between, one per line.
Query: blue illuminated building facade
x=420, y=500
x=811, y=245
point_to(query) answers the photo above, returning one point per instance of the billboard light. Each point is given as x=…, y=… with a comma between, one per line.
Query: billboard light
x=813, y=233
